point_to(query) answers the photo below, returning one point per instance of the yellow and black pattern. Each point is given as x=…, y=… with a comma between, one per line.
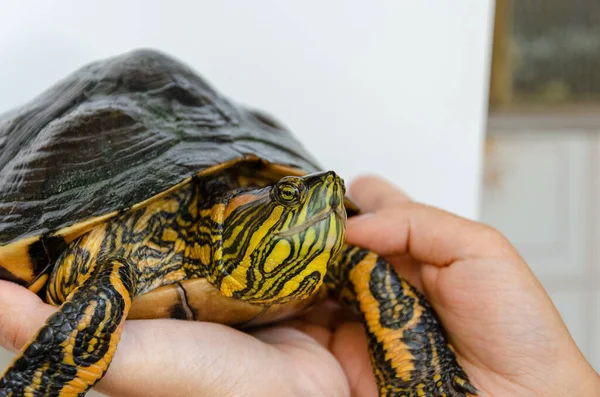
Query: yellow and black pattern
x=409, y=351
x=260, y=244
x=107, y=202
x=97, y=277
x=153, y=239
x=274, y=245
x=74, y=349
x=263, y=245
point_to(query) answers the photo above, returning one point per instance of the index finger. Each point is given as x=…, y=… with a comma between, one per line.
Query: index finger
x=372, y=192
x=428, y=234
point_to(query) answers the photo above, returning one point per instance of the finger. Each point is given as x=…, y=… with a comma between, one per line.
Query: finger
x=373, y=192
x=306, y=360
x=183, y=358
x=407, y=267
x=183, y=352
x=428, y=234
x=22, y=314
x=321, y=320
x=329, y=314
x=175, y=358
x=317, y=333
x=349, y=346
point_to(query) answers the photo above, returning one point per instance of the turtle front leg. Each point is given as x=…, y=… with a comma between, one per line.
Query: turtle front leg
x=73, y=350
x=409, y=350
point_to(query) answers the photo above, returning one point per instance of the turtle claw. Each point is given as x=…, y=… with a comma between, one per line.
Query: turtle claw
x=447, y=386
x=461, y=385
x=410, y=352
x=73, y=350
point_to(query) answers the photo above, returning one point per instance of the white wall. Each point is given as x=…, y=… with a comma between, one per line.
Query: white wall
x=397, y=88
x=392, y=87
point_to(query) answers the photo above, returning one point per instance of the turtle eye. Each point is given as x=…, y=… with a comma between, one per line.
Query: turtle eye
x=288, y=194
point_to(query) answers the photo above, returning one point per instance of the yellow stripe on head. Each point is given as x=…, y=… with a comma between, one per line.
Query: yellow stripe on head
x=277, y=242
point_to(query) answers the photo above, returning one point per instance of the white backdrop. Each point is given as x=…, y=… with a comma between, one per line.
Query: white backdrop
x=397, y=88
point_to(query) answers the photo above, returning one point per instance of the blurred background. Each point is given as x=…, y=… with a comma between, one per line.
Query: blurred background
x=541, y=182
x=484, y=108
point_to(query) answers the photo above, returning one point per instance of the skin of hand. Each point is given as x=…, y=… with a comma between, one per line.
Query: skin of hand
x=508, y=336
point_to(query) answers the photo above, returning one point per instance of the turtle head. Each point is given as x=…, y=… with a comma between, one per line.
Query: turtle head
x=278, y=242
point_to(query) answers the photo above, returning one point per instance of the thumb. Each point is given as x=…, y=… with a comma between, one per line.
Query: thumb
x=22, y=314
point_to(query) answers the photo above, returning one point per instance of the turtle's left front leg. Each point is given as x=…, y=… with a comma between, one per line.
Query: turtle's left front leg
x=409, y=351
x=73, y=350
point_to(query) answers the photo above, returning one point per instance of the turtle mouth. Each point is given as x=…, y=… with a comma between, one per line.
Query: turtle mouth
x=305, y=226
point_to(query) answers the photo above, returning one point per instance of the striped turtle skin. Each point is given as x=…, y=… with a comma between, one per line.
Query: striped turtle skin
x=132, y=189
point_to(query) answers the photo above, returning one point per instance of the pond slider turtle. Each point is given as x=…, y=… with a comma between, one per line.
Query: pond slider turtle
x=133, y=189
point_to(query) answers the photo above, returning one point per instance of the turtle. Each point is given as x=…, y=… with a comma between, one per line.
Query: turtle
x=133, y=189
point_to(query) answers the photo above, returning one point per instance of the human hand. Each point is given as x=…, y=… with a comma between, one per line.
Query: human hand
x=509, y=337
x=185, y=358
x=324, y=353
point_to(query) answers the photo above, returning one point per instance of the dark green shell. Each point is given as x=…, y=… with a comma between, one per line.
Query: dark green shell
x=117, y=132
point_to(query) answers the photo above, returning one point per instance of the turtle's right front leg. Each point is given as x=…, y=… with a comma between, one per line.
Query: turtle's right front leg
x=73, y=350
x=409, y=348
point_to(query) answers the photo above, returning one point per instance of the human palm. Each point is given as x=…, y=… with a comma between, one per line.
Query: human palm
x=507, y=334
